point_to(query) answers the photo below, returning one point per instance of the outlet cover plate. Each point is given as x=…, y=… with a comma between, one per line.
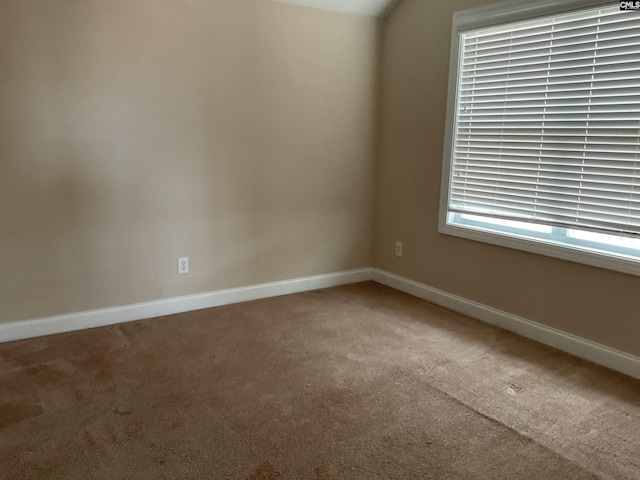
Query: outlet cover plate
x=183, y=265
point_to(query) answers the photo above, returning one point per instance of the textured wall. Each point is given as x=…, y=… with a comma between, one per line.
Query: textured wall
x=239, y=133
x=597, y=304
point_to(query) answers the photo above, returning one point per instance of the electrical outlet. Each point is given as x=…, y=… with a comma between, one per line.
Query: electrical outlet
x=183, y=265
x=398, y=249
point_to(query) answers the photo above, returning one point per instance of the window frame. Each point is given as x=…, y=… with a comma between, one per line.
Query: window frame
x=576, y=251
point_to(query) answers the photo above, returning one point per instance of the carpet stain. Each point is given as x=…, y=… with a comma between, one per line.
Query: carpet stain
x=90, y=440
x=265, y=472
x=216, y=372
x=99, y=366
x=45, y=375
x=321, y=474
x=122, y=413
x=337, y=397
x=12, y=414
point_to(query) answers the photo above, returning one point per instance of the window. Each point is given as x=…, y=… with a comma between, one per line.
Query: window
x=542, y=150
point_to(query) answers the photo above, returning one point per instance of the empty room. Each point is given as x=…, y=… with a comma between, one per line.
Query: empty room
x=319, y=239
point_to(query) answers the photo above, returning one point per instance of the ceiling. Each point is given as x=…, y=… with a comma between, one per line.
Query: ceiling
x=373, y=8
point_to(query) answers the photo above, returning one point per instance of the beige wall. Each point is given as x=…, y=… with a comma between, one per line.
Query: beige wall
x=239, y=133
x=593, y=303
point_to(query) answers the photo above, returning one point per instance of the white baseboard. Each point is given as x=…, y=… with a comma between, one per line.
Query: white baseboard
x=128, y=313
x=580, y=347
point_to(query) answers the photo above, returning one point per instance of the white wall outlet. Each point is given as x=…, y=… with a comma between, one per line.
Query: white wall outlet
x=183, y=265
x=398, y=249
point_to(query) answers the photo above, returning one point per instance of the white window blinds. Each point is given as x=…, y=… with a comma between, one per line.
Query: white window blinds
x=548, y=122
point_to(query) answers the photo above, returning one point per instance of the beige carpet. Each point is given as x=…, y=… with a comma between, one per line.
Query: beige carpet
x=355, y=382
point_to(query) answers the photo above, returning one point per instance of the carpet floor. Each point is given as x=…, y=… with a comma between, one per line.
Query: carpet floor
x=353, y=382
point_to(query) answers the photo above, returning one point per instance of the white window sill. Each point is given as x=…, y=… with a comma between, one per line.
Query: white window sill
x=588, y=255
